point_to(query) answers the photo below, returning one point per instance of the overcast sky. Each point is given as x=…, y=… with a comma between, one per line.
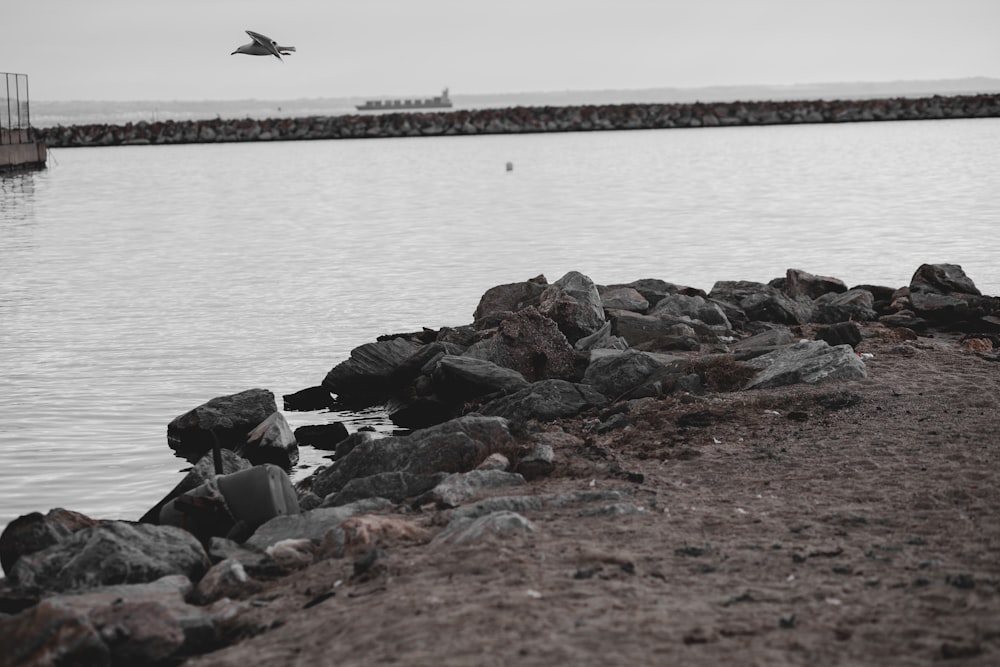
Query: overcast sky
x=180, y=49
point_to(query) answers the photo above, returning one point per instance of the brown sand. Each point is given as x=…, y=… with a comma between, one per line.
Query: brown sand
x=846, y=524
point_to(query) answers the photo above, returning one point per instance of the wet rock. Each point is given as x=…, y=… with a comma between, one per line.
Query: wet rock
x=114, y=552
x=272, y=441
x=311, y=398
x=808, y=362
x=321, y=436
x=369, y=376
x=230, y=418
x=466, y=378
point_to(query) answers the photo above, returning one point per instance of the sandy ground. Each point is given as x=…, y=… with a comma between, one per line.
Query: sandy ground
x=847, y=524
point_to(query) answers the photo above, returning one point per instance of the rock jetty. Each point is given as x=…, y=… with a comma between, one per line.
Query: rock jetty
x=522, y=120
x=491, y=412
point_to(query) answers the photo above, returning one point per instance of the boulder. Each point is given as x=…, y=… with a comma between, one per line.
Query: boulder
x=942, y=293
x=695, y=308
x=465, y=378
x=808, y=362
x=230, y=418
x=855, y=304
x=393, y=486
x=345, y=446
x=623, y=298
x=762, y=302
x=507, y=299
x=369, y=376
x=455, y=446
x=459, y=488
x=35, y=531
x=800, y=283
x=769, y=338
x=114, y=552
x=648, y=332
x=654, y=289
x=272, y=441
x=574, y=304
x=545, y=401
x=529, y=343
x=602, y=339
x=620, y=373
x=841, y=333
x=121, y=625
x=321, y=436
x=538, y=462
x=306, y=400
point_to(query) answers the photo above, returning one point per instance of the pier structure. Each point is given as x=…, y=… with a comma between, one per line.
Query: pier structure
x=19, y=148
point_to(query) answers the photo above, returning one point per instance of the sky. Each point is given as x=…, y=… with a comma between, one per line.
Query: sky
x=180, y=49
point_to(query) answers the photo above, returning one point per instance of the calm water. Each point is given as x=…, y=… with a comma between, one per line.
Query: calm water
x=138, y=282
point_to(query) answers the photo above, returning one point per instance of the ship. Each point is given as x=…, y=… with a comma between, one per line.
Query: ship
x=441, y=101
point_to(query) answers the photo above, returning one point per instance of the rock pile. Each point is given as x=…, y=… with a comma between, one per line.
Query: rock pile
x=521, y=120
x=80, y=590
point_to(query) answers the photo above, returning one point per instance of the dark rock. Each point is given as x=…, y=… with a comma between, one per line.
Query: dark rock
x=842, y=333
x=35, y=531
x=619, y=373
x=809, y=362
x=410, y=410
x=652, y=333
x=762, y=302
x=654, y=289
x=545, y=401
x=312, y=398
x=230, y=418
x=800, y=283
x=466, y=378
x=114, y=552
x=695, y=308
x=602, y=339
x=455, y=446
x=623, y=298
x=574, y=304
x=944, y=294
x=369, y=376
x=769, y=338
x=508, y=298
x=272, y=441
x=538, y=462
x=529, y=343
x=393, y=486
x=345, y=446
x=855, y=304
x=321, y=436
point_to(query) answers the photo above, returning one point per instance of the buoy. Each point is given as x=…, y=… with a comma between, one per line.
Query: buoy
x=510, y=166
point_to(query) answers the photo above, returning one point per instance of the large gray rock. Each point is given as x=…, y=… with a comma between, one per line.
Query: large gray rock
x=617, y=374
x=800, y=283
x=545, y=401
x=529, y=343
x=141, y=624
x=574, y=303
x=648, y=332
x=115, y=552
x=504, y=299
x=695, y=308
x=623, y=297
x=943, y=293
x=369, y=376
x=762, y=302
x=807, y=362
x=455, y=446
x=465, y=378
x=855, y=304
x=272, y=441
x=230, y=418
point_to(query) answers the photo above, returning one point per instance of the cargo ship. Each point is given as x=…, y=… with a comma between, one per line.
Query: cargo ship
x=442, y=101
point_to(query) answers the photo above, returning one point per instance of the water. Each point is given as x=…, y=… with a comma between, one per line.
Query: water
x=139, y=282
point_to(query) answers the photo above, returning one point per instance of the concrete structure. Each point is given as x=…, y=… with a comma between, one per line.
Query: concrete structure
x=19, y=148
x=18, y=152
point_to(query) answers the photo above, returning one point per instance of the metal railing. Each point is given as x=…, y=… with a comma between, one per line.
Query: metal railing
x=15, y=120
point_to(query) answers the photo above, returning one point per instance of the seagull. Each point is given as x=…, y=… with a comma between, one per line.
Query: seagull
x=263, y=46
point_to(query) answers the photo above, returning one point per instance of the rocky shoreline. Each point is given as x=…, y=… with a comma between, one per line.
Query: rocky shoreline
x=538, y=424
x=521, y=120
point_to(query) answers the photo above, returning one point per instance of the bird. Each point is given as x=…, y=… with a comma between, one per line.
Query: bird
x=263, y=46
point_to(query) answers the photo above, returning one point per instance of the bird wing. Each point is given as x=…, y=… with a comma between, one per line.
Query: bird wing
x=269, y=44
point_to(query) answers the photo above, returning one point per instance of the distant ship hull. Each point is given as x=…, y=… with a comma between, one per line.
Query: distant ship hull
x=442, y=101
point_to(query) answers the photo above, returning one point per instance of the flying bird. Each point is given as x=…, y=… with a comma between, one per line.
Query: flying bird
x=263, y=46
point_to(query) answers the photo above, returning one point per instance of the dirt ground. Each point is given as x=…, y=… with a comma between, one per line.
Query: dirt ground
x=853, y=523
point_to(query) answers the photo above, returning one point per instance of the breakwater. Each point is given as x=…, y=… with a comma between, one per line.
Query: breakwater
x=521, y=120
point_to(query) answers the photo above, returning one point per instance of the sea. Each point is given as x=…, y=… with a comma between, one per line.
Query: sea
x=139, y=282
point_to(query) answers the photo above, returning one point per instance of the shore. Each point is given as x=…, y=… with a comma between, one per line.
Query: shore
x=791, y=473
x=521, y=120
